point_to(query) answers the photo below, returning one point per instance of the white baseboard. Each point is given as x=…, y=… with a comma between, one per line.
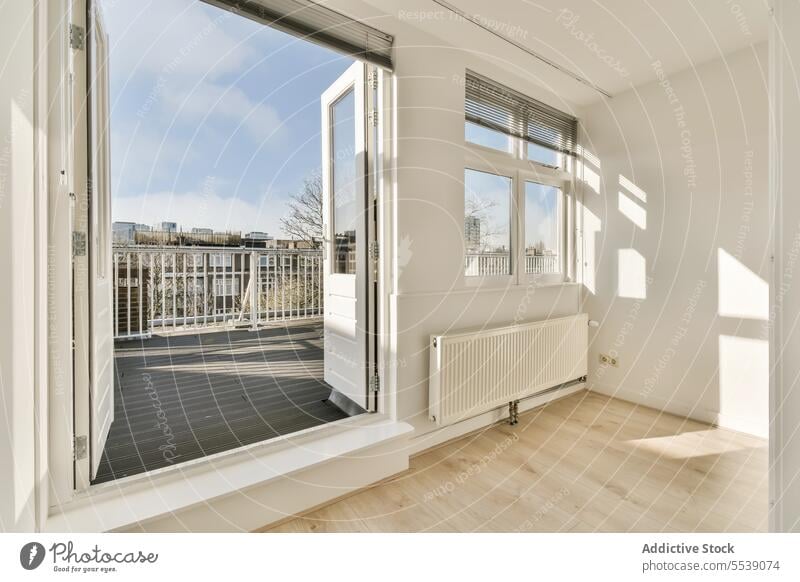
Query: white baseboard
x=681, y=408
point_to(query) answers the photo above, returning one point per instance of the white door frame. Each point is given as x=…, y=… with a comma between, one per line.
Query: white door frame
x=92, y=282
x=81, y=298
x=59, y=403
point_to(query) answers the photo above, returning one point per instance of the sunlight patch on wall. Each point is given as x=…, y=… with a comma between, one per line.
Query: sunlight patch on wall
x=742, y=293
x=632, y=188
x=632, y=211
x=744, y=381
x=591, y=179
x=591, y=228
x=588, y=169
x=590, y=158
x=631, y=274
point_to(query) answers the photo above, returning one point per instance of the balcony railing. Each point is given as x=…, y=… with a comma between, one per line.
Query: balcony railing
x=489, y=264
x=542, y=264
x=163, y=289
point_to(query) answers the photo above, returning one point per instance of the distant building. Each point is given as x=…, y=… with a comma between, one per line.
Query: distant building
x=122, y=232
x=291, y=244
x=257, y=239
x=257, y=235
x=472, y=233
x=197, y=237
x=166, y=227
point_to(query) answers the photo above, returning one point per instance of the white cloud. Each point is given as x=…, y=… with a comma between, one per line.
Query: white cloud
x=540, y=225
x=176, y=37
x=145, y=156
x=259, y=120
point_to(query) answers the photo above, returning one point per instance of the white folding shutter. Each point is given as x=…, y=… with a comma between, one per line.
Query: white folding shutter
x=100, y=270
x=344, y=265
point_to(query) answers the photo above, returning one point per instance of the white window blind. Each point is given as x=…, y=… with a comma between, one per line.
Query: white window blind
x=497, y=107
x=317, y=23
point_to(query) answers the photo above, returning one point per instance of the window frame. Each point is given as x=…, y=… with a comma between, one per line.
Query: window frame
x=59, y=502
x=512, y=226
x=520, y=169
x=563, y=244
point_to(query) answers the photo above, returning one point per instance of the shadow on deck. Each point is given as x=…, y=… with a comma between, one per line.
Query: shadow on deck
x=183, y=397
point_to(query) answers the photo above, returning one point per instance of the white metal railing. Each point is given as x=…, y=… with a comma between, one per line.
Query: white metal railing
x=488, y=264
x=161, y=289
x=542, y=264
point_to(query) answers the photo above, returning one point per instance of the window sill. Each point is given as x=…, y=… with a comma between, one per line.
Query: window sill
x=510, y=283
x=152, y=495
x=472, y=290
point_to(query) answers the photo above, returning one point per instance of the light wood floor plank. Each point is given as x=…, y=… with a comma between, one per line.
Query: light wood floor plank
x=584, y=463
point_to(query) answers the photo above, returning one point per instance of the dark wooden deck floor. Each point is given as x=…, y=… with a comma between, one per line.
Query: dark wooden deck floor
x=182, y=397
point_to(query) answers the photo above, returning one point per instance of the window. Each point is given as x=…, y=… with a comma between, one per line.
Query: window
x=542, y=228
x=343, y=169
x=514, y=199
x=220, y=260
x=543, y=155
x=500, y=109
x=488, y=138
x=226, y=287
x=487, y=223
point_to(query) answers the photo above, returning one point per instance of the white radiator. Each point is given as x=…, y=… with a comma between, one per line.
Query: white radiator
x=473, y=372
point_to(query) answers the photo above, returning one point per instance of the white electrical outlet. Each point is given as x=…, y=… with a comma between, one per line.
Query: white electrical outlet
x=607, y=360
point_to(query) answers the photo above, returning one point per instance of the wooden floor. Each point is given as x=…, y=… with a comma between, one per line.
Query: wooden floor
x=582, y=464
x=182, y=397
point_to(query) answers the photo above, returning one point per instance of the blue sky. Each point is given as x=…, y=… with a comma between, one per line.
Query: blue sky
x=215, y=119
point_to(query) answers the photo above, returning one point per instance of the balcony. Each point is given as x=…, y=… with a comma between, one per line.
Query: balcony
x=198, y=371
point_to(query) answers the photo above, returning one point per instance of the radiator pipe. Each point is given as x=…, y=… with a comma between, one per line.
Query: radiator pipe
x=579, y=380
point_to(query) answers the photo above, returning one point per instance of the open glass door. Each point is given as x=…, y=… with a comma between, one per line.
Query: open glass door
x=100, y=270
x=345, y=214
x=92, y=293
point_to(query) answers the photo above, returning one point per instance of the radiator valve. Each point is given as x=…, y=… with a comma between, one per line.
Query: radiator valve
x=513, y=412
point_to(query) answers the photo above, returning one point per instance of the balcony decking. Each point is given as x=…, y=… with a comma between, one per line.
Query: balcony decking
x=182, y=397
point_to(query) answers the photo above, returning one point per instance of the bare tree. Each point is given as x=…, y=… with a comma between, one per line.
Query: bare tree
x=304, y=218
x=481, y=209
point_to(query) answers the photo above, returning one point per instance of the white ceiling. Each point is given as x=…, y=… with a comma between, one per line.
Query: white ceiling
x=631, y=34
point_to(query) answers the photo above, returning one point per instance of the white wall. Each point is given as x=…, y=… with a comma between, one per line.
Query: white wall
x=431, y=294
x=678, y=261
x=17, y=266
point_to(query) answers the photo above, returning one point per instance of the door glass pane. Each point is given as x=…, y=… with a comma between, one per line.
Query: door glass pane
x=343, y=194
x=487, y=223
x=542, y=228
